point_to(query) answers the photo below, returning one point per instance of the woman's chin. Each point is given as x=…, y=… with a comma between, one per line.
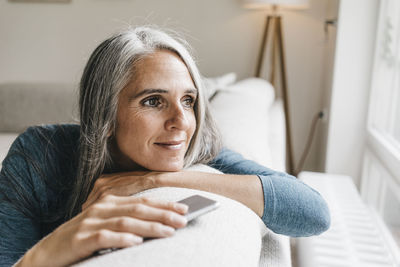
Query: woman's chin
x=168, y=166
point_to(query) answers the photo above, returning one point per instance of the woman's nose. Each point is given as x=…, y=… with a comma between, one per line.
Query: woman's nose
x=177, y=118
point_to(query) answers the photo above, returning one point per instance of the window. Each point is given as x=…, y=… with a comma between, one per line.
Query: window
x=381, y=166
x=385, y=98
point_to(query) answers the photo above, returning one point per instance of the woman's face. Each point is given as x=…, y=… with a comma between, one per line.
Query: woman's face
x=155, y=117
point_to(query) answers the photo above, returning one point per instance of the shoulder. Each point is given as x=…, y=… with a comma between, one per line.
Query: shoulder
x=229, y=161
x=226, y=153
x=42, y=146
x=37, y=140
x=44, y=134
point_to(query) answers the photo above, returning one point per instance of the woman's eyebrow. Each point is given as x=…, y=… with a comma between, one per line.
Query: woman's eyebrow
x=149, y=91
x=160, y=91
x=191, y=91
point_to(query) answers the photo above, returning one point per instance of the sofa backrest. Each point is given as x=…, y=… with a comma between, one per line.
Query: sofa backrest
x=26, y=104
x=249, y=116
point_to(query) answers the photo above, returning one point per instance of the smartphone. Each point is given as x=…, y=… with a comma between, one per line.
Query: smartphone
x=198, y=205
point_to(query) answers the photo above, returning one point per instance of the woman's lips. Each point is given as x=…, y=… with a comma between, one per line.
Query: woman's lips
x=171, y=145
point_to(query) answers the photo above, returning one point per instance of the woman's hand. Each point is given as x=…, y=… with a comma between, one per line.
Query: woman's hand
x=111, y=222
x=121, y=184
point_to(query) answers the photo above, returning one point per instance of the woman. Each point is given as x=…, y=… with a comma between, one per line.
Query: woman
x=143, y=118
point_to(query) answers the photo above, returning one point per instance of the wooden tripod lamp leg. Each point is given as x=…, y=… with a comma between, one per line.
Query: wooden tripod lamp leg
x=285, y=95
x=263, y=47
x=277, y=46
x=272, y=71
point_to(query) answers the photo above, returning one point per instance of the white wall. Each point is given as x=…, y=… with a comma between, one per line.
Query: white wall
x=310, y=53
x=351, y=85
x=51, y=42
x=44, y=41
x=330, y=49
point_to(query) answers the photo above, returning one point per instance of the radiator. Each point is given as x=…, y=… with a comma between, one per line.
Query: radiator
x=357, y=236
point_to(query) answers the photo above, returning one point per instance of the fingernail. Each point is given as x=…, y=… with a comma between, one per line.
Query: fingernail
x=179, y=220
x=181, y=207
x=137, y=239
x=167, y=231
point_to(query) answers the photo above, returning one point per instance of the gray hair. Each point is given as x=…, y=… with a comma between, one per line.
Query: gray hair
x=109, y=69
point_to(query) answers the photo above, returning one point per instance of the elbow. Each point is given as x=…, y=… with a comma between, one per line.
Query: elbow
x=292, y=208
x=322, y=221
x=305, y=220
x=318, y=219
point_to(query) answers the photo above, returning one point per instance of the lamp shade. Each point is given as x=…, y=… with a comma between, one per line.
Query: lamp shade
x=289, y=4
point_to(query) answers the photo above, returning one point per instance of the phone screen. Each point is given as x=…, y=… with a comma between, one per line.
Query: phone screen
x=198, y=205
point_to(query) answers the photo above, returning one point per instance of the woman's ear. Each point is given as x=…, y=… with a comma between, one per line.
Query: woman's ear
x=109, y=134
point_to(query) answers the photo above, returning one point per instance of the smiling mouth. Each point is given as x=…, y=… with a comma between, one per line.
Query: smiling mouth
x=171, y=145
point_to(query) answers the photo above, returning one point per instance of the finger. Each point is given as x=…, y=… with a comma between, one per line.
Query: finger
x=104, y=238
x=167, y=205
x=137, y=227
x=174, y=206
x=143, y=212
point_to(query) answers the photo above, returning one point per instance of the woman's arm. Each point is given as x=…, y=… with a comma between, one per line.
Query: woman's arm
x=246, y=189
x=285, y=204
x=290, y=206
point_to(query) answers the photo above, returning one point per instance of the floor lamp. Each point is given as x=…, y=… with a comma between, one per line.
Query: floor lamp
x=273, y=36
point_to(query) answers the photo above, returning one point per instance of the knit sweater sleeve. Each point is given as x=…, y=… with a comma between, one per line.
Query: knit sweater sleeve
x=33, y=187
x=290, y=207
x=21, y=197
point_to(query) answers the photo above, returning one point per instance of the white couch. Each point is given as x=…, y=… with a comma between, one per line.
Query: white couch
x=251, y=121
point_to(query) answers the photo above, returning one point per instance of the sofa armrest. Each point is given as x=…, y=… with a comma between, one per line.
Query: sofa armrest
x=232, y=235
x=228, y=236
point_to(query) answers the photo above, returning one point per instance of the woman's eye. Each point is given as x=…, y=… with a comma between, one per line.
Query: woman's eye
x=189, y=102
x=152, y=102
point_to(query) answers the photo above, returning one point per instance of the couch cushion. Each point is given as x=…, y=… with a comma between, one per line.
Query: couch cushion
x=26, y=104
x=242, y=114
x=212, y=85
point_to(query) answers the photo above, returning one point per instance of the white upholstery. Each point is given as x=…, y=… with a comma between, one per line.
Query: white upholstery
x=228, y=236
x=252, y=121
x=276, y=136
x=232, y=235
x=212, y=85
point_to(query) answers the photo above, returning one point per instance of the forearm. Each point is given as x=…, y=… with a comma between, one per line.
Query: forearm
x=39, y=255
x=26, y=260
x=246, y=189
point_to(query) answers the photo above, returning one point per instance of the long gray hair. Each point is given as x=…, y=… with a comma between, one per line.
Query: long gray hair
x=109, y=69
